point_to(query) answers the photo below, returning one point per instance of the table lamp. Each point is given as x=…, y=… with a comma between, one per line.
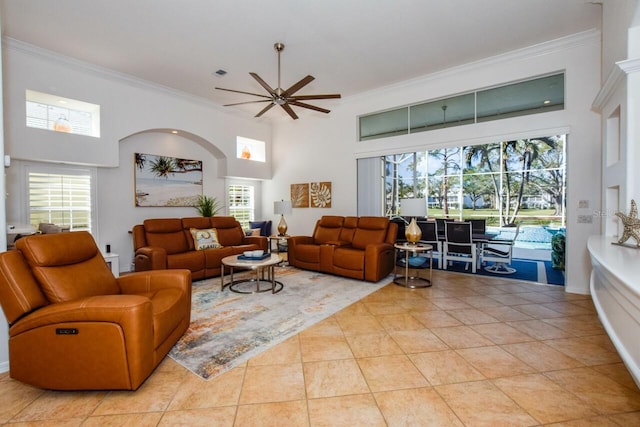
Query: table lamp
x=280, y=208
x=413, y=208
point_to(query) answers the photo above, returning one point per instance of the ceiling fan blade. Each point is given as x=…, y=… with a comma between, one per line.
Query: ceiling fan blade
x=309, y=106
x=263, y=84
x=265, y=109
x=246, y=93
x=247, y=102
x=289, y=111
x=297, y=86
x=306, y=97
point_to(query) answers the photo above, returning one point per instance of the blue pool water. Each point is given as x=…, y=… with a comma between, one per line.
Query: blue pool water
x=529, y=237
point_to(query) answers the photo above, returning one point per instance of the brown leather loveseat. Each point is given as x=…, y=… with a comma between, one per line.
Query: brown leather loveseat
x=166, y=243
x=356, y=247
x=74, y=326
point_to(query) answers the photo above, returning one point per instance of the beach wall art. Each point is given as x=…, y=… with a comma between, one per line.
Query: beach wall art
x=166, y=181
x=314, y=195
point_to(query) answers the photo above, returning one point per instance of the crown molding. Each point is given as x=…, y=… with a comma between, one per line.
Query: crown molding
x=615, y=78
x=107, y=73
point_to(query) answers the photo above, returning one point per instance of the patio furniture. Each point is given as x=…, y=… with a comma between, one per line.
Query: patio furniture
x=430, y=236
x=500, y=252
x=459, y=245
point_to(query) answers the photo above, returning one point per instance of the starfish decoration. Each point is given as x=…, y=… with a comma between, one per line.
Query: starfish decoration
x=631, y=224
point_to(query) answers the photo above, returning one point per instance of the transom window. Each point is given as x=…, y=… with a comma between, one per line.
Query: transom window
x=533, y=96
x=51, y=112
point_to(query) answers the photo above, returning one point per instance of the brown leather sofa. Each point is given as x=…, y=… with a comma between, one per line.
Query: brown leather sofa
x=167, y=243
x=74, y=326
x=356, y=247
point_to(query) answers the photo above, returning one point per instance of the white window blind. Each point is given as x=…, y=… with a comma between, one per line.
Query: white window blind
x=242, y=204
x=61, y=199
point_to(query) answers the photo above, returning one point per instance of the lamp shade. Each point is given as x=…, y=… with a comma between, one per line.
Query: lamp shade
x=413, y=207
x=282, y=207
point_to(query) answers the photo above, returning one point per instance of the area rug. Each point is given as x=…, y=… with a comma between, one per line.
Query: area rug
x=228, y=328
x=530, y=270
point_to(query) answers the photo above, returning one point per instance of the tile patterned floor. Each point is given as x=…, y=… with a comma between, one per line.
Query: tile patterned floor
x=469, y=351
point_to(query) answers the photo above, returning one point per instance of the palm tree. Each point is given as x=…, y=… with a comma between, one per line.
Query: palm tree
x=185, y=165
x=551, y=179
x=450, y=160
x=140, y=160
x=485, y=156
x=396, y=185
x=527, y=151
x=163, y=166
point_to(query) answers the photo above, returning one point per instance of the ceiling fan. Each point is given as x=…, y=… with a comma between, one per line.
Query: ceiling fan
x=283, y=98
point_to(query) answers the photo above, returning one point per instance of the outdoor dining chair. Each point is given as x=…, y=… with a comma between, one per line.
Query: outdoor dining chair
x=459, y=245
x=500, y=253
x=430, y=236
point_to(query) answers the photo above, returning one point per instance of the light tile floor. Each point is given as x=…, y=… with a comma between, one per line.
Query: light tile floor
x=468, y=351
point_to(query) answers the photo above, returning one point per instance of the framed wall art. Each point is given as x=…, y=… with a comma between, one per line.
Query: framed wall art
x=166, y=181
x=320, y=194
x=299, y=195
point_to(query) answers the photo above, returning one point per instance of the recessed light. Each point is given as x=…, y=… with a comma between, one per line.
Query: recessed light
x=174, y=132
x=547, y=102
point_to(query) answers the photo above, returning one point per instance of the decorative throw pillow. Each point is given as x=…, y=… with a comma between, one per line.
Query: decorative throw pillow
x=255, y=232
x=205, y=239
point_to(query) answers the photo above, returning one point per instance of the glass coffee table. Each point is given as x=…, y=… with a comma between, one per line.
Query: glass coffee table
x=265, y=274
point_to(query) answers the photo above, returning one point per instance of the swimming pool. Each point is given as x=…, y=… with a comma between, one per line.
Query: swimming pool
x=529, y=237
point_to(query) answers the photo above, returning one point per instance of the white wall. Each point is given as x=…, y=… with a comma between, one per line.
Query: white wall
x=135, y=117
x=325, y=148
x=618, y=102
x=617, y=17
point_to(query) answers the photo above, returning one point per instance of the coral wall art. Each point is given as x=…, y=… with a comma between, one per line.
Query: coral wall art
x=299, y=195
x=320, y=194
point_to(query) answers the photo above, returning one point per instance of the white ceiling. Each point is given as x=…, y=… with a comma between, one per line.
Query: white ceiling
x=349, y=46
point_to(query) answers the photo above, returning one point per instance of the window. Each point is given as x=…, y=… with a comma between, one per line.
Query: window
x=533, y=96
x=242, y=203
x=45, y=111
x=250, y=149
x=454, y=111
x=523, y=98
x=388, y=123
x=521, y=180
x=63, y=197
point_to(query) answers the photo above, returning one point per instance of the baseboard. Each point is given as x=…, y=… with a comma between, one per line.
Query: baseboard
x=4, y=366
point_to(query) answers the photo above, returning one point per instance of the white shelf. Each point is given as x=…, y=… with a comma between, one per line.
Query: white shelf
x=615, y=289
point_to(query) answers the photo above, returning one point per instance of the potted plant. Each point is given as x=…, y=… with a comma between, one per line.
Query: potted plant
x=207, y=205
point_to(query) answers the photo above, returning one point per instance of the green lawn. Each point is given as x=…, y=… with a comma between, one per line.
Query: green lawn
x=525, y=216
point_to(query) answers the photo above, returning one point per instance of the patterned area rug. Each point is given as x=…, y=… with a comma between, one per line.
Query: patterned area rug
x=228, y=328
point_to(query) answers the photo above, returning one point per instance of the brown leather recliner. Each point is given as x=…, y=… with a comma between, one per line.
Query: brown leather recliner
x=74, y=326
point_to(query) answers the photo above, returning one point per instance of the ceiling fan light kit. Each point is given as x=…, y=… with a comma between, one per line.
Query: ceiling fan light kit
x=283, y=98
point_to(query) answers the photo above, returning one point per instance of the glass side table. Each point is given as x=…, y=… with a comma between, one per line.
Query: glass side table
x=415, y=281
